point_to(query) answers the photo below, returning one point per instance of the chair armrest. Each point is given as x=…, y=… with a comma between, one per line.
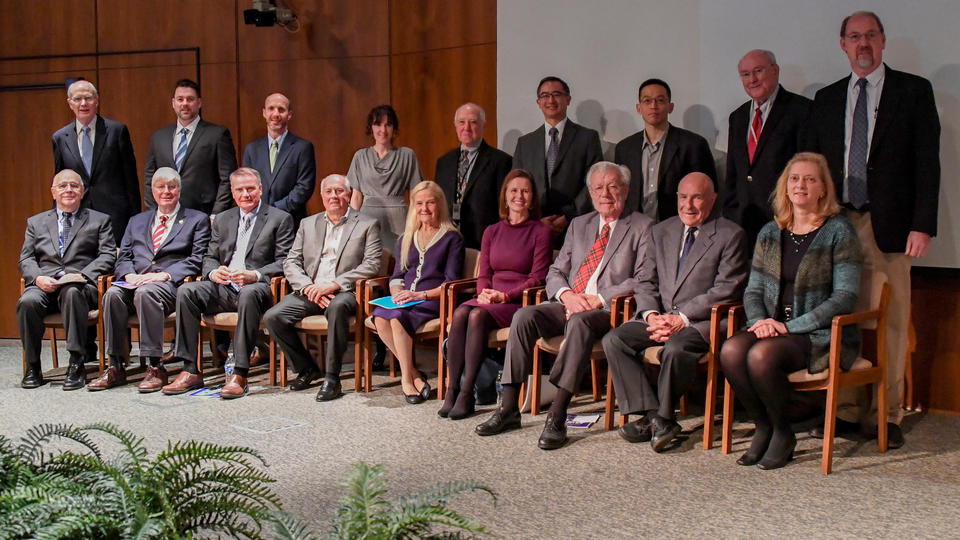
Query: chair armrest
x=450, y=291
x=275, y=288
x=621, y=309
x=717, y=314
x=840, y=321
x=529, y=296
x=735, y=318
x=540, y=296
x=283, y=289
x=365, y=290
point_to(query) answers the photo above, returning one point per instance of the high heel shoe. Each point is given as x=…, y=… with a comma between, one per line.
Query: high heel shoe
x=425, y=391
x=464, y=407
x=781, y=458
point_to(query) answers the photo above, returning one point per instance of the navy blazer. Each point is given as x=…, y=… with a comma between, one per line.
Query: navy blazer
x=113, y=186
x=90, y=249
x=267, y=248
x=180, y=254
x=294, y=175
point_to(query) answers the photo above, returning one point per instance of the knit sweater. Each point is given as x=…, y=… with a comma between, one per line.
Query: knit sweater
x=827, y=284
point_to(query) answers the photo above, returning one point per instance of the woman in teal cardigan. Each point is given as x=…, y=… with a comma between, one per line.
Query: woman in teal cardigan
x=806, y=270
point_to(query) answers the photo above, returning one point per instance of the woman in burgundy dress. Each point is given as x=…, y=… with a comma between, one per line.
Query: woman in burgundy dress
x=514, y=255
x=429, y=253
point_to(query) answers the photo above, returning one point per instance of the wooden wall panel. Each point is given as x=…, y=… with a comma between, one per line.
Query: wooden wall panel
x=41, y=27
x=936, y=362
x=421, y=25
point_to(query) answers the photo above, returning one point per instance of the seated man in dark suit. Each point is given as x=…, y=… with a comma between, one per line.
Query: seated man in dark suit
x=692, y=262
x=160, y=249
x=285, y=162
x=660, y=155
x=558, y=153
x=65, y=250
x=600, y=259
x=331, y=252
x=247, y=247
x=471, y=176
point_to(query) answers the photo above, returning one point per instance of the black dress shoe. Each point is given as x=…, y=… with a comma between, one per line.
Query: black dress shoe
x=499, y=422
x=894, y=435
x=76, y=377
x=33, y=378
x=413, y=399
x=425, y=391
x=842, y=428
x=329, y=391
x=636, y=432
x=664, y=432
x=554, y=432
x=304, y=380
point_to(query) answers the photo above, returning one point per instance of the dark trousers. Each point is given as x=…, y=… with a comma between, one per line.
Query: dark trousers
x=74, y=302
x=292, y=309
x=152, y=302
x=681, y=353
x=207, y=297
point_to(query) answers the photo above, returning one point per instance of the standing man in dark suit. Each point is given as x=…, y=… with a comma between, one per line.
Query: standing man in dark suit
x=332, y=250
x=558, y=153
x=99, y=150
x=600, y=259
x=201, y=152
x=160, y=249
x=763, y=134
x=285, y=162
x=880, y=133
x=65, y=250
x=247, y=248
x=471, y=176
x=660, y=155
x=692, y=263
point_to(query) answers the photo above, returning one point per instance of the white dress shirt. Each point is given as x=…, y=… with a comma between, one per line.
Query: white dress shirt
x=191, y=129
x=591, y=287
x=327, y=269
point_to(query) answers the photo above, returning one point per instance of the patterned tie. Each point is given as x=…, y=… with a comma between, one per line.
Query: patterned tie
x=181, y=149
x=592, y=261
x=755, y=129
x=86, y=153
x=687, y=245
x=857, y=165
x=462, y=167
x=158, y=233
x=65, y=224
x=274, y=148
x=552, y=152
x=239, y=260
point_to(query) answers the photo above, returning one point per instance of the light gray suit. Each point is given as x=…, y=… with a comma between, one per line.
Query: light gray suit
x=618, y=273
x=714, y=271
x=357, y=257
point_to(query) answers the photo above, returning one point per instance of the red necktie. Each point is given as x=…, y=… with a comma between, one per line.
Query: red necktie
x=158, y=233
x=755, y=129
x=592, y=261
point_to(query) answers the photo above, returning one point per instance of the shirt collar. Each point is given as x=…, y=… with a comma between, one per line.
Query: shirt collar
x=663, y=137
x=191, y=127
x=612, y=224
x=255, y=212
x=472, y=149
x=560, y=125
x=60, y=214
x=874, y=78
x=92, y=124
x=278, y=139
x=768, y=104
x=171, y=215
x=342, y=220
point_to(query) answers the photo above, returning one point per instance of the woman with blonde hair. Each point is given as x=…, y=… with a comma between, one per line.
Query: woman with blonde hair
x=429, y=253
x=806, y=270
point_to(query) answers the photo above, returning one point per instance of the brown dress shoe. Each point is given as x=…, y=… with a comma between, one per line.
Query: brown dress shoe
x=256, y=358
x=236, y=387
x=155, y=380
x=184, y=382
x=167, y=357
x=112, y=376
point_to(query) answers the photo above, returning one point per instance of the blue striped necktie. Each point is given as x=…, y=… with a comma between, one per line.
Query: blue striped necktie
x=181, y=149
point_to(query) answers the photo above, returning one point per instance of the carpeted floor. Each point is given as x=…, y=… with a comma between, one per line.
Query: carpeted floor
x=598, y=486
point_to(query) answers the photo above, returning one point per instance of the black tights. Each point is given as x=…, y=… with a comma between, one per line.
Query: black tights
x=466, y=345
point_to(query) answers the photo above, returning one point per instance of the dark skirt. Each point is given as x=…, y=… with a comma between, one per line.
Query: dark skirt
x=412, y=317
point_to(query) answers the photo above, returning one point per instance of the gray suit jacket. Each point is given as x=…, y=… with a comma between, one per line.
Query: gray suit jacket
x=715, y=271
x=620, y=266
x=358, y=256
x=267, y=248
x=90, y=248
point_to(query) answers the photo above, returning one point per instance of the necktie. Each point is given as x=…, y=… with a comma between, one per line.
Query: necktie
x=552, y=152
x=755, y=129
x=857, y=165
x=86, y=153
x=274, y=147
x=462, y=167
x=158, y=233
x=65, y=224
x=181, y=149
x=687, y=245
x=592, y=261
x=238, y=261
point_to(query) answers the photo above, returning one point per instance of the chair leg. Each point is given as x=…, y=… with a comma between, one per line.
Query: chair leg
x=441, y=370
x=710, y=403
x=357, y=350
x=535, y=382
x=200, y=351
x=611, y=398
x=882, y=435
x=595, y=378
x=684, y=408
x=829, y=427
x=100, y=339
x=367, y=371
x=523, y=392
x=53, y=347
x=725, y=438
x=273, y=365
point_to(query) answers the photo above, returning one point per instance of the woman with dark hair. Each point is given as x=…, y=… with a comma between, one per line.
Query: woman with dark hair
x=382, y=174
x=514, y=255
x=806, y=270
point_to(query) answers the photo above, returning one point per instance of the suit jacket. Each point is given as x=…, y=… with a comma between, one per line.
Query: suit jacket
x=747, y=186
x=294, y=175
x=113, y=186
x=620, y=266
x=179, y=255
x=715, y=271
x=358, y=255
x=480, y=207
x=579, y=149
x=684, y=152
x=90, y=249
x=267, y=247
x=903, y=168
x=205, y=173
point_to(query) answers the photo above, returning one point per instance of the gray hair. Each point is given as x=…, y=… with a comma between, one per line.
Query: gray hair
x=600, y=167
x=82, y=82
x=483, y=114
x=167, y=173
x=335, y=176
x=245, y=171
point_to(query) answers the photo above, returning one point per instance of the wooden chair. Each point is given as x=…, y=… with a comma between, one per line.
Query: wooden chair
x=869, y=368
x=54, y=321
x=428, y=330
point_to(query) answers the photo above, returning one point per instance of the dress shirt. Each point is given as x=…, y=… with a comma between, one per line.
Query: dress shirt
x=874, y=89
x=651, y=154
x=60, y=222
x=327, y=269
x=93, y=134
x=242, y=242
x=764, y=112
x=191, y=129
x=278, y=139
x=170, y=217
x=472, y=158
x=546, y=133
x=591, y=287
x=683, y=238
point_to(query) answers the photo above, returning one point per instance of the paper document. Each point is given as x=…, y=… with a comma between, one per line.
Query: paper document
x=387, y=302
x=582, y=420
x=125, y=285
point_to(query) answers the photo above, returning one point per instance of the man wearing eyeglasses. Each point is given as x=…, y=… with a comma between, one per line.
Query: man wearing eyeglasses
x=558, y=153
x=763, y=134
x=880, y=133
x=99, y=150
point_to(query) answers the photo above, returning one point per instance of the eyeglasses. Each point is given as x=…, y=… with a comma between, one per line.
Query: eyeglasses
x=555, y=95
x=63, y=186
x=661, y=101
x=82, y=99
x=610, y=188
x=757, y=72
x=856, y=36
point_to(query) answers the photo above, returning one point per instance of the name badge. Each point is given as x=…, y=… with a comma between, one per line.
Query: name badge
x=456, y=213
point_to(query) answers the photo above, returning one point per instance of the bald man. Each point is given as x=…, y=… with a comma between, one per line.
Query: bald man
x=694, y=260
x=285, y=162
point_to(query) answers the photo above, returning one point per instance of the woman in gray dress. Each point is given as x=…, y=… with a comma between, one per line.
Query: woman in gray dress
x=382, y=174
